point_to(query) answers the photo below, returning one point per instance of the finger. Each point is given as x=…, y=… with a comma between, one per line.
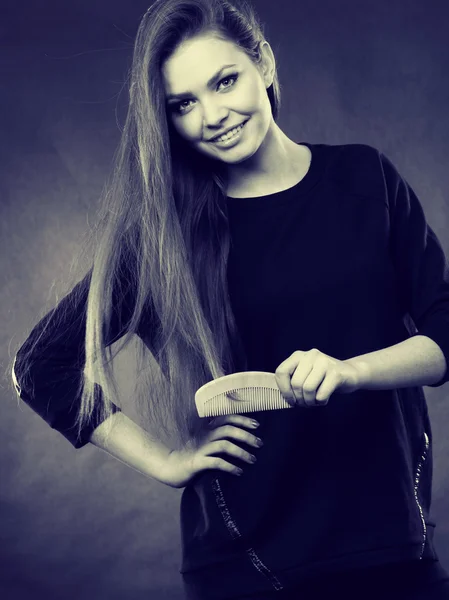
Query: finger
x=327, y=388
x=313, y=381
x=283, y=375
x=299, y=377
x=234, y=418
x=299, y=402
x=220, y=420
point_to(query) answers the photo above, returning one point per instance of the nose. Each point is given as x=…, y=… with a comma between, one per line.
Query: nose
x=214, y=115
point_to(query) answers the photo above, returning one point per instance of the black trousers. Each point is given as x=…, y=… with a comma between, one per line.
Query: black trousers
x=414, y=580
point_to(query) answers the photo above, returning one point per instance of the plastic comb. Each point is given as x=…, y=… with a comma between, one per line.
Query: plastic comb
x=248, y=391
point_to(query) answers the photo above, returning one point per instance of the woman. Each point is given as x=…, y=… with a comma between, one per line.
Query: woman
x=226, y=246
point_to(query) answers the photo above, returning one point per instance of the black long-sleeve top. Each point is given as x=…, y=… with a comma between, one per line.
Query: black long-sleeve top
x=345, y=262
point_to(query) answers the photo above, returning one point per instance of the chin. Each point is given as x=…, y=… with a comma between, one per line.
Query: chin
x=234, y=160
x=231, y=157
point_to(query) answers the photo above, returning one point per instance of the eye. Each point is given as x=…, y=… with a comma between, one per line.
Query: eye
x=179, y=107
x=234, y=77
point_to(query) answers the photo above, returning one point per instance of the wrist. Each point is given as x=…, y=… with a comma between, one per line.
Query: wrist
x=363, y=371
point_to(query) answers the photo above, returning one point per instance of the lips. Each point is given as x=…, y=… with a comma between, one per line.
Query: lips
x=215, y=138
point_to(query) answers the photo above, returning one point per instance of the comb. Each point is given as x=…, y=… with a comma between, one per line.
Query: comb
x=248, y=391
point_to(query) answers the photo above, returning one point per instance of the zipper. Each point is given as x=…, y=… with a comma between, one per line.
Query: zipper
x=417, y=478
x=234, y=532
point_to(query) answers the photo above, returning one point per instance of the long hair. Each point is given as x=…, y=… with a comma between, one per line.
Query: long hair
x=163, y=228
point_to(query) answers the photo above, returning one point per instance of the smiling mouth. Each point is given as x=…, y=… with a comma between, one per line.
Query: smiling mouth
x=229, y=134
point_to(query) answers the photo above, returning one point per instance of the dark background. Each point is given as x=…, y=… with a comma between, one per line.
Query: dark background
x=79, y=525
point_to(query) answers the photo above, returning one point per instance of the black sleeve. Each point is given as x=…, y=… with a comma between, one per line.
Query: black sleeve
x=50, y=384
x=420, y=264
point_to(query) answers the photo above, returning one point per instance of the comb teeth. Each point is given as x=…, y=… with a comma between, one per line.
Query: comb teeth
x=255, y=399
x=248, y=391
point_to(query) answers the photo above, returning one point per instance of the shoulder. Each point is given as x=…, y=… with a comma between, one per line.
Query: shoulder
x=352, y=158
x=357, y=168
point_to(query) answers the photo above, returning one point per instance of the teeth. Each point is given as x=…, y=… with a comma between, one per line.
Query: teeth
x=228, y=135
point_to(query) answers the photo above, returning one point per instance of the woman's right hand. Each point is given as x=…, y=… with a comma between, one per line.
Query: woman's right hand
x=183, y=465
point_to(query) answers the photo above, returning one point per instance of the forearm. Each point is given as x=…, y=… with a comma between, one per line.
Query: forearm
x=132, y=445
x=416, y=361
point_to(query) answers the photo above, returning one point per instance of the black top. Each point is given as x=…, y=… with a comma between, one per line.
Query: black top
x=345, y=262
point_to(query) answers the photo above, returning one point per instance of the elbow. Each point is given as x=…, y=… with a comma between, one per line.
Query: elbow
x=14, y=378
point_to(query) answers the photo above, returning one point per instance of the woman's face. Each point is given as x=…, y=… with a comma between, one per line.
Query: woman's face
x=211, y=86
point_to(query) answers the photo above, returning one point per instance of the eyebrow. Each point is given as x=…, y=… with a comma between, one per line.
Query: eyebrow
x=210, y=83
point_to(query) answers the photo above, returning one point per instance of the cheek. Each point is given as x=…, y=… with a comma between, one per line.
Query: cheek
x=188, y=126
x=251, y=96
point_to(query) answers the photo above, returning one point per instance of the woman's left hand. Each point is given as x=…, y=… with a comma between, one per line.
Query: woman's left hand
x=310, y=378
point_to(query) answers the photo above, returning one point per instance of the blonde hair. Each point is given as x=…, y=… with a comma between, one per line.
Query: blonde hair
x=163, y=232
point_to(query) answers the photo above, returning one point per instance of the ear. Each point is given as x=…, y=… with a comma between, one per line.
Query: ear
x=267, y=64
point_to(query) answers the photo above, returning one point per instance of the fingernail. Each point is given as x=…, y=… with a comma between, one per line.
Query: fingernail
x=255, y=423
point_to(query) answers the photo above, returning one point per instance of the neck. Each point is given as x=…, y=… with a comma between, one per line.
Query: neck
x=277, y=162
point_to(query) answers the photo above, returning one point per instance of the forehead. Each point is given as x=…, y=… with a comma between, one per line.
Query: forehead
x=198, y=58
